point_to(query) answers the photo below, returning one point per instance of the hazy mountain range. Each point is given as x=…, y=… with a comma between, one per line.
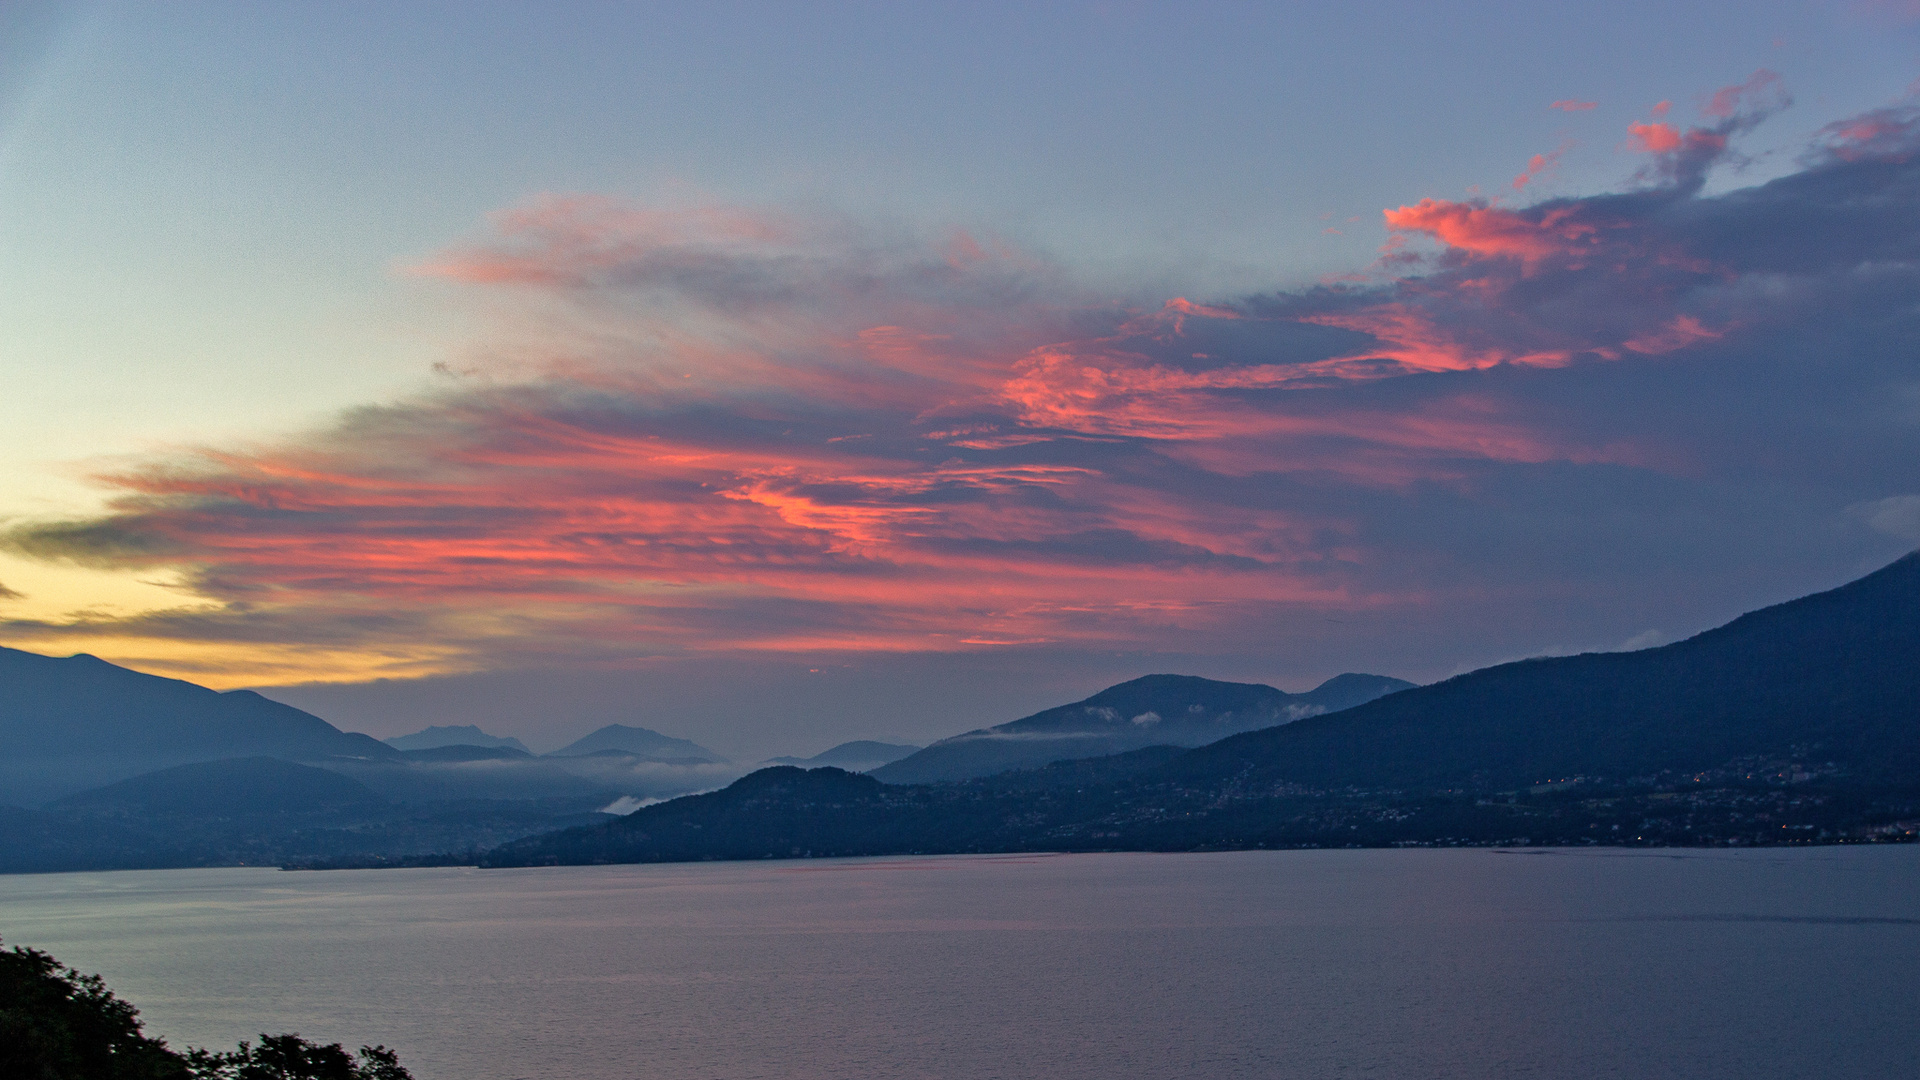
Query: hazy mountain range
x=1800, y=721
x=433, y=738
x=639, y=742
x=1797, y=722
x=861, y=755
x=1155, y=710
x=132, y=770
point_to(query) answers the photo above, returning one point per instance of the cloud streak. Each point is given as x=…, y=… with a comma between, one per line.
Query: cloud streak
x=742, y=430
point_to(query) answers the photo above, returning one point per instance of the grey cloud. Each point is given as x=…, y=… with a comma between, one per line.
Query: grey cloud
x=1897, y=516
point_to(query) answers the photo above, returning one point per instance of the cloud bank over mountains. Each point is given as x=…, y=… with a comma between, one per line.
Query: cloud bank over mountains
x=731, y=430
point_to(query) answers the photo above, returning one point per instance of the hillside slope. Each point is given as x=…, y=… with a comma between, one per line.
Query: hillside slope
x=67, y=724
x=1154, y=710
x=1832, y=677
x=638, y=741
x=1796, y=723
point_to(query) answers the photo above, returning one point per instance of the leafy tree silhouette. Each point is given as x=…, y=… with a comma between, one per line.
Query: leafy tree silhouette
x=289, y=1057
x=57, y=1024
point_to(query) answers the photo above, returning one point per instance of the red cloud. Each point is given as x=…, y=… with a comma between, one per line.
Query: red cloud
x=1485, y=230
x=1666, y=139
x=749, y=430
x=1538, y=164
x=1655, y=138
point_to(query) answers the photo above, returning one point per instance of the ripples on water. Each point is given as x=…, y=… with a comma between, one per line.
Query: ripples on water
x=1430, y=964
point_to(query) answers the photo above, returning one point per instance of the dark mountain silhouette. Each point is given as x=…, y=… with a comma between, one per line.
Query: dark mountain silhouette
x=860, y=755
x=781, y=812
x=453, y=735
x=67, y=724
x=152, y=772
x=1797, y=722
x=1154, y=710
x=1833, y=677
x=638, y=741
x=237, y=787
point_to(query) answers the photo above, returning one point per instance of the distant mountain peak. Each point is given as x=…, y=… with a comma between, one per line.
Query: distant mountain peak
x=433, y=738
x=639, y=741
x=1159, y=709
x=860, y=755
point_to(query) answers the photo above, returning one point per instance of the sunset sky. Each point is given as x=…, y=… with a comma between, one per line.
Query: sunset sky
x=778, y=374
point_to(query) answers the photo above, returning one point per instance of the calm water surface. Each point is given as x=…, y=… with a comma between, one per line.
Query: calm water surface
x=1419, y=964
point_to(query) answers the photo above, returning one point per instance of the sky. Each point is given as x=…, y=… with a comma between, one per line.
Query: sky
x=778, y=374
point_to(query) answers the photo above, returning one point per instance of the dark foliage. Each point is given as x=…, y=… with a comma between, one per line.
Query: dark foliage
x=289, y=1057
x=57, y=1024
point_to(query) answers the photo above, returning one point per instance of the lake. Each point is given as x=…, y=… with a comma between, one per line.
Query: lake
x=1755, y=964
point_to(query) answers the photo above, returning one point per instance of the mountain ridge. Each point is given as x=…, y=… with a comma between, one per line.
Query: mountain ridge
x=639, y=741
x=858, y=755
x=1798, y=722
x=1161, y=709
x=1848, y=655
x=70, y=723
x=437, y=736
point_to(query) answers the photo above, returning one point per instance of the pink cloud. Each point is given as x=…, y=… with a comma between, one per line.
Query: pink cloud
x=1677, y=333
x=1571, y=105
x=555, y=239
x=1683, y=157
x=1540, y=163
x=1655, y=138
x=1486, y=230
x=1891, y=133
x=747, y=430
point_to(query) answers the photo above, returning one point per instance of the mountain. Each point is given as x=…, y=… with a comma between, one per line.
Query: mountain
x=148, y=772
x=1832, y=677
x=1154, y=710
x=262, y=811
x=453, y=735
x=233, y=788
x=1796, y=723
x=68, y=724
x=781, y=812
x=468, y=752
x=861, y=755
x=639, y=742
